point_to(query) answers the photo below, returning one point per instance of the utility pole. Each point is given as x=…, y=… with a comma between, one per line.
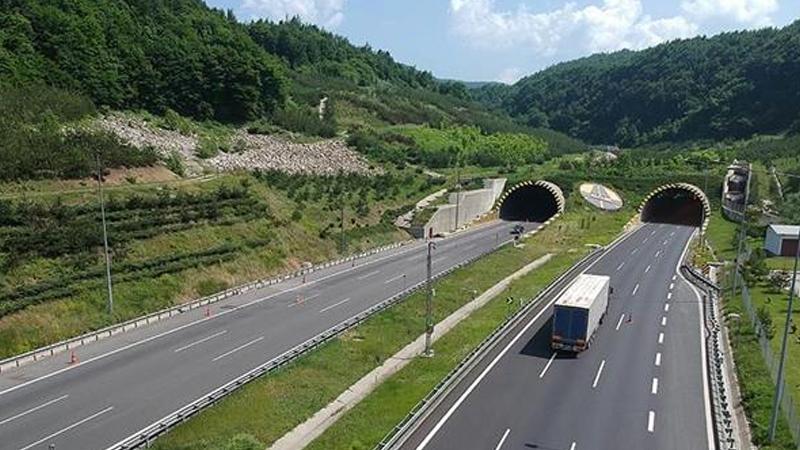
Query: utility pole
x=344, y=244
x=743, y=230
x=429, y=305
x=105, y=235
x=458, y=189
x=776, y=403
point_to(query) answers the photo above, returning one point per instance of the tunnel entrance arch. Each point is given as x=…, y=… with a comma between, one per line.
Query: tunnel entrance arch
x=531, y=201
x=679, y=204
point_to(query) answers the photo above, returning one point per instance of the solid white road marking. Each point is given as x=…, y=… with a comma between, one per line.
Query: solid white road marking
x=635, y=289
x=660, y=338
x=334, y=305
x=241, y=347
x=664, y=321
x=647, y=269
x=364, y=277
x=622, y=316
x=599, y=372
x=666, y=307
x=621, y=266
x=503, y=439
x=207, y=338
x=651, y=421
x=654, y=386
x=544, y=371
x=394, y=279
x=34, y=409
x=505, y=350
x=658, y=359
x=64, y=430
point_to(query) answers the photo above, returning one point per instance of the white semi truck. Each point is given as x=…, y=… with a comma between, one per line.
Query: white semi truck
x=579, y=311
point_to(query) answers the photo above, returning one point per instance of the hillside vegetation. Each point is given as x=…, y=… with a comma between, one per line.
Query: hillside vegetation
x=728, y=86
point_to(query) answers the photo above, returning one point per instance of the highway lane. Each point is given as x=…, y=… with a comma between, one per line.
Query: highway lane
x=99, y=402
x=641, y=385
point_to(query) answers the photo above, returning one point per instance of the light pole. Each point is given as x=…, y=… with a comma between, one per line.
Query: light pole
x=773, y=423
x=110, y=303
x=344, y=244
x=429, y=304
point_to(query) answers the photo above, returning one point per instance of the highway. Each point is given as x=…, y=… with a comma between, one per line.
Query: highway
x=124, y=383
x=641, y=385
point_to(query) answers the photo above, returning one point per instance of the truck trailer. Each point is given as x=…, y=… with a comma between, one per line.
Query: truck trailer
x=579, y=311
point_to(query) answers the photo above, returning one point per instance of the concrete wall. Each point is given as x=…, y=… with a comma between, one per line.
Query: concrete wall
x=470, y=205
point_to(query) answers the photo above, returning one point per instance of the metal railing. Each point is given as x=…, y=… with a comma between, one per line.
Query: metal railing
x=718, y=382
x=408, y=424
x=145, y=437
x=788, y=404
x=93, y=336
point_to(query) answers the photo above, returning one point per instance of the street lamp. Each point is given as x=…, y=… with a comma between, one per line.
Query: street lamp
x=429, y=304
x=110, y=301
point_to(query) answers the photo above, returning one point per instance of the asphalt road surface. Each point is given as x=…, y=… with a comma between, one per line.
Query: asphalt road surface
x=125, y=383
x=641, y=385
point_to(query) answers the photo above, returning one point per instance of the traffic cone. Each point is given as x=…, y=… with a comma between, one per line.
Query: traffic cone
x=208, y=311
x=73, y=358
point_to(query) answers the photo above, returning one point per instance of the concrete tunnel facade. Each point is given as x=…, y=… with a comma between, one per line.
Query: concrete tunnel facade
x=531, y=201
x=679, y=204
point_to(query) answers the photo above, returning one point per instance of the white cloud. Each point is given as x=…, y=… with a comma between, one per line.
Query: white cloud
x=326, y=13
x=612, y=25
x=751, y=12
x=510, y=75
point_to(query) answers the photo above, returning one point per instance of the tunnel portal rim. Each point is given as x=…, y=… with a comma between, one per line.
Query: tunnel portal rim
x=552, y=188
x=692, y=189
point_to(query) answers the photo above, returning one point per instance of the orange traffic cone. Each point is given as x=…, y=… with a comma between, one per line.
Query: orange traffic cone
x=208, y=311
x=73, y=358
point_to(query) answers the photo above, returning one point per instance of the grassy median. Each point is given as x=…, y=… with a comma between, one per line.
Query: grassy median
x=273, y=405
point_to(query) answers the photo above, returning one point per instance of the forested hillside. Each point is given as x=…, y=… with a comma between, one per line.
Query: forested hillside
x=732, y=85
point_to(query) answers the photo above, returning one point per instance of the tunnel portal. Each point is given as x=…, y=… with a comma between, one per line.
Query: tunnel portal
x=531, y=202
x=679, y=204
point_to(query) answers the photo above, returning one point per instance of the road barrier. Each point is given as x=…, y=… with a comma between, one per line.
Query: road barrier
x=94, y=336
x=145, y=437
x=718, y=382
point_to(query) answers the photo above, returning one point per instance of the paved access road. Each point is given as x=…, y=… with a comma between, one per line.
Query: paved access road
x=641, y=385
x=127, y=382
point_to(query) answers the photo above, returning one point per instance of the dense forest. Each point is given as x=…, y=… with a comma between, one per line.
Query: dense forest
x=732, y=85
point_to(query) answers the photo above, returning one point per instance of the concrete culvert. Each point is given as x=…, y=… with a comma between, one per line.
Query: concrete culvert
x=680, y=204
x=530, y=203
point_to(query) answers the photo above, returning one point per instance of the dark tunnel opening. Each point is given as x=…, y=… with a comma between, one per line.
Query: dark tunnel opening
x=674, y=206
x=531, y=203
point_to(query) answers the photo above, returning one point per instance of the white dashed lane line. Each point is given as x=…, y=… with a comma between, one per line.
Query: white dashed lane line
x=635, y=289
x=647, y=269
x=619, y=323
x=503, y=439
x=200, y=341
x=664, y=321
x=666, y=307
x=660, y=338
x=241, y=347
x=546, y=367
x=621, y=266
x=341, y=302
x=658, y=359
x=34, y=409
x=654, y=386
x=599, y=372
x=365, y=276
x=651, y=421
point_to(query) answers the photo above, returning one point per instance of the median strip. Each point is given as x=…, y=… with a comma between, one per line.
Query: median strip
x=309, y=430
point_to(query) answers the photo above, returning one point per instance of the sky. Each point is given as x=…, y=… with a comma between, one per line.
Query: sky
x=503, y=40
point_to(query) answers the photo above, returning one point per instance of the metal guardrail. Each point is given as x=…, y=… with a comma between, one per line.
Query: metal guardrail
x=403, y=430
x=145, y=437
x=718, y=383
x=93, y=336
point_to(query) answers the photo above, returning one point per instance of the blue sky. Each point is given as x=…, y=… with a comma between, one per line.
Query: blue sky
x=503, y=40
